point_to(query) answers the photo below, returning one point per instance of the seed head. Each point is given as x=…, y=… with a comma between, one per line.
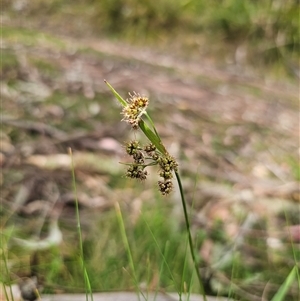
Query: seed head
x=168, y=163
x=135, y=171
x=165, y=187
x=132, y=147
x=134, y=110
x=149, y=148
x=166, y=174
x=138, y=157
x=155, y=156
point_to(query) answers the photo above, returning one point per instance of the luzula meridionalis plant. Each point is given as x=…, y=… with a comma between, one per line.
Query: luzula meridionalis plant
x=135, y=114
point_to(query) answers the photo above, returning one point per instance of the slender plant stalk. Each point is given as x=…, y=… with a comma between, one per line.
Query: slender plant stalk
x=187, y=223
x=135, y=113
x=5, y=292
x=6, y=271
x=188, y=229
x=88, y=289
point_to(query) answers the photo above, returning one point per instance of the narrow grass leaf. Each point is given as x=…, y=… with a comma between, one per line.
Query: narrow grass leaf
x=152, y=124
x=161, y=270
x=280, y=295
x=127, y=248
x=6, y=294
x=164, y=258
x=117, y=95
x=6, y=268
x=152, y=136
x=88, y=289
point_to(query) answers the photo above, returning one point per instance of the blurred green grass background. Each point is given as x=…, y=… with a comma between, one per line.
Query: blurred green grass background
x=265, y=32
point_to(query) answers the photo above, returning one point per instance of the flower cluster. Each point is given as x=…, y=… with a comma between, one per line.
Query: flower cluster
x=133, y=111
x=165, y=187
x=133, y=149
x=147, y=155
x=136, y=170
x=168, y=165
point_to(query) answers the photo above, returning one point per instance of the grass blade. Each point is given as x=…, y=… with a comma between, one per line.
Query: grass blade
x=88, y=289
x=117, y=95
x=164, y=258
x=152, y=137
x=6, y=271
x=152, y=124
x=127, y=247
x=280, y=295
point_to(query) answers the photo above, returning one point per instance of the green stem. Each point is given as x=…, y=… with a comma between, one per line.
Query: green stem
x=88, y=289
x=188, y=228
x=7, y=273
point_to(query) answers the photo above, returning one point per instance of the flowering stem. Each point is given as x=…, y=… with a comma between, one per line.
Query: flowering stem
x=188, y=229
x=168, y=164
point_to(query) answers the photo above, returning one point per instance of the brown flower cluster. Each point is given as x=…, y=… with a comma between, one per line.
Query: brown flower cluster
x=136, y=170
x=134, y=110
x=168, y=165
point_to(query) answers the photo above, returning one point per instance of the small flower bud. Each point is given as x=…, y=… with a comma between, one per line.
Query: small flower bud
x=132, y=147
x=155, y=156
x=150, y=148
x=136, y=172
x=166, y=174
x=138, y=157
x=165, y=187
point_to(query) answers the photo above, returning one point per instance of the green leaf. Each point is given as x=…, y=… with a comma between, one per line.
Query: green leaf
x=152, y=137
x=152, y=124
x=280, y=295
x=117, y=95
